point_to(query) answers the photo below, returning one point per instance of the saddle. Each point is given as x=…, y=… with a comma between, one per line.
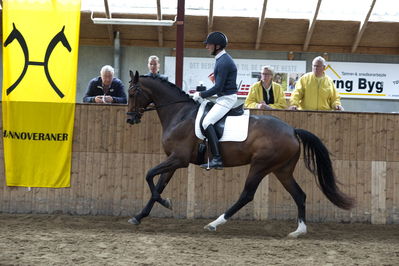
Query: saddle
x=231, y=127
x=219, y=125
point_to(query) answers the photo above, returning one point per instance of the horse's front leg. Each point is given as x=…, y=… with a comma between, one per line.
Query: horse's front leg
x=166, y=169
x=162, y=182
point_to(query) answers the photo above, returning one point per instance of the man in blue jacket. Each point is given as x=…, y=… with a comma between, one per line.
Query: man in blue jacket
x=225, y=75
x=106, y=88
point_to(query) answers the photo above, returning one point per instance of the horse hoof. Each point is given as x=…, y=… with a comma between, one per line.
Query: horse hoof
x=210, y=228
x=133, y=221
x=168, y=203
x=295, y=234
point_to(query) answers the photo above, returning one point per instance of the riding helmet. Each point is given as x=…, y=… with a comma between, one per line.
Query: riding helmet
x=217, y=38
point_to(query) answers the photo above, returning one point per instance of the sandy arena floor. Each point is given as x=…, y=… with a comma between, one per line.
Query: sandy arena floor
x=100, y=240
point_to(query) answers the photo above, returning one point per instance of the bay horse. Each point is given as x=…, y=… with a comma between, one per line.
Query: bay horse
x=272, y=146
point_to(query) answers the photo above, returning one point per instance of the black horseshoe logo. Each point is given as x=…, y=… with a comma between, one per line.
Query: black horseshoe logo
x=59, y=37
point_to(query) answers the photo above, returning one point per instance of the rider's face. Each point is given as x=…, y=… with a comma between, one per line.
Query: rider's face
x=210, y=47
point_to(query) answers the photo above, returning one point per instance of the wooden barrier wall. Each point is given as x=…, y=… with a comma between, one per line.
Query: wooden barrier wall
x=110, y=159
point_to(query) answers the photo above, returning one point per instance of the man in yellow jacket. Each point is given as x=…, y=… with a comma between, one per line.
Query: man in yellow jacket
x=266, y=94
x=315, y=90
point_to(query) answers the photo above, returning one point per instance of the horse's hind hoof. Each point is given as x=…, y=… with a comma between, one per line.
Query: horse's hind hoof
x=133, y=221
x=210, y=228
x=295, y=234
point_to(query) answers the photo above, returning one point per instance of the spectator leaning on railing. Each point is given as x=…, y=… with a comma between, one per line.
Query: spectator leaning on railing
x=266, y=94
x=315, y=90
x=105, y=88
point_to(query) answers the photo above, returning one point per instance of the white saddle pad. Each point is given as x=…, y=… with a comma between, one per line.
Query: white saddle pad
x=235, y=128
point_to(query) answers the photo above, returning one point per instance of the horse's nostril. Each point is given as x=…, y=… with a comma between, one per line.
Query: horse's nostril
x=133, y=121
x=133, y=117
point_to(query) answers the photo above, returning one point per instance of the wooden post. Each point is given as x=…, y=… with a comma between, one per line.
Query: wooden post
x=179, y=43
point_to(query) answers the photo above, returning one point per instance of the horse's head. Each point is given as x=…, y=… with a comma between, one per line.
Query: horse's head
x=63, y=39
x=138, y=100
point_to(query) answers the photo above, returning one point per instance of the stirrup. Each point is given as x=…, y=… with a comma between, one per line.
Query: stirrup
x=213, y=164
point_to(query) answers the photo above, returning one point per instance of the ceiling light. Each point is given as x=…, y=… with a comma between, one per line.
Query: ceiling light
x=129, y=21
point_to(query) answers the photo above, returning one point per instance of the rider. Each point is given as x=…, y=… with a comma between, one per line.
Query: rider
x=225, y=75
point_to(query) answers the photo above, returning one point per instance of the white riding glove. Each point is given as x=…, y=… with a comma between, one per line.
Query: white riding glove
x=197, y=97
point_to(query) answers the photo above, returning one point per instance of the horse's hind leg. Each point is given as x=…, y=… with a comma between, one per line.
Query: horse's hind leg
x=162, y=182
x=255, y=176
x=285, y=175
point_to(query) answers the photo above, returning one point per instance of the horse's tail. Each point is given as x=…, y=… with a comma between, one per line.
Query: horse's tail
x=317, y=160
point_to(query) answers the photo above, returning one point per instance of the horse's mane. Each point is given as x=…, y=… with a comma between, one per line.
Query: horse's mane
x=170, y=85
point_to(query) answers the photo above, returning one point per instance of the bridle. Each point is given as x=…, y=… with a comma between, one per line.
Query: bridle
x=137, y=113
x=137, y=91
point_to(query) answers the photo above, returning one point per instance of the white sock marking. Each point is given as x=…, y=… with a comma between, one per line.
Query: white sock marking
x=301, y=230
x=212, y=226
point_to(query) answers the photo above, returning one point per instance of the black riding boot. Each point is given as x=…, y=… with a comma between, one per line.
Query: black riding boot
x=213, y=140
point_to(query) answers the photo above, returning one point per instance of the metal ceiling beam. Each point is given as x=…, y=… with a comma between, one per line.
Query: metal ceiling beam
x=311, y=27
x=362, y=27
x=210, y=17
x=109, y=27
x=261, y=25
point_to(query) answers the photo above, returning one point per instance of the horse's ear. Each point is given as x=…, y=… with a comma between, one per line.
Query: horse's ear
x=136, y=77
x=131, y=74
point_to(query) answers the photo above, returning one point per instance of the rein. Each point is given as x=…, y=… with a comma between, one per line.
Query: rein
x=166, y=104
x=160, y=106
x=146, y=109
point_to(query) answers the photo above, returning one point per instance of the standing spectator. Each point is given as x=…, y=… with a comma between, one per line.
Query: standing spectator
x=266, y=94
x=315, y=90
x=153, y=67
x=105, y=88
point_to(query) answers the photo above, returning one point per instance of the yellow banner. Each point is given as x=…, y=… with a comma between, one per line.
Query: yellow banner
x=40, y=55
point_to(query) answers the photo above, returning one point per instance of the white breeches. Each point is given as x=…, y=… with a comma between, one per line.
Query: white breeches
x=222, y=105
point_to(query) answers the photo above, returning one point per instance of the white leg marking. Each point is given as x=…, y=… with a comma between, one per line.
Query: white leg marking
x=212, y=226
x=301, y=230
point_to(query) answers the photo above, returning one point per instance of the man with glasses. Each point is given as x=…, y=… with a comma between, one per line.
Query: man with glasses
x=266, y=94
x=315, y=90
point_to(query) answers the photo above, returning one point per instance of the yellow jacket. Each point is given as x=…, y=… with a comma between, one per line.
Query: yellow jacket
x=313, y=93
x=255, y=96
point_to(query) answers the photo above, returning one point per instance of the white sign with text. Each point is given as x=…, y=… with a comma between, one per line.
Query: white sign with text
x=197, y=69
x=365, y=80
